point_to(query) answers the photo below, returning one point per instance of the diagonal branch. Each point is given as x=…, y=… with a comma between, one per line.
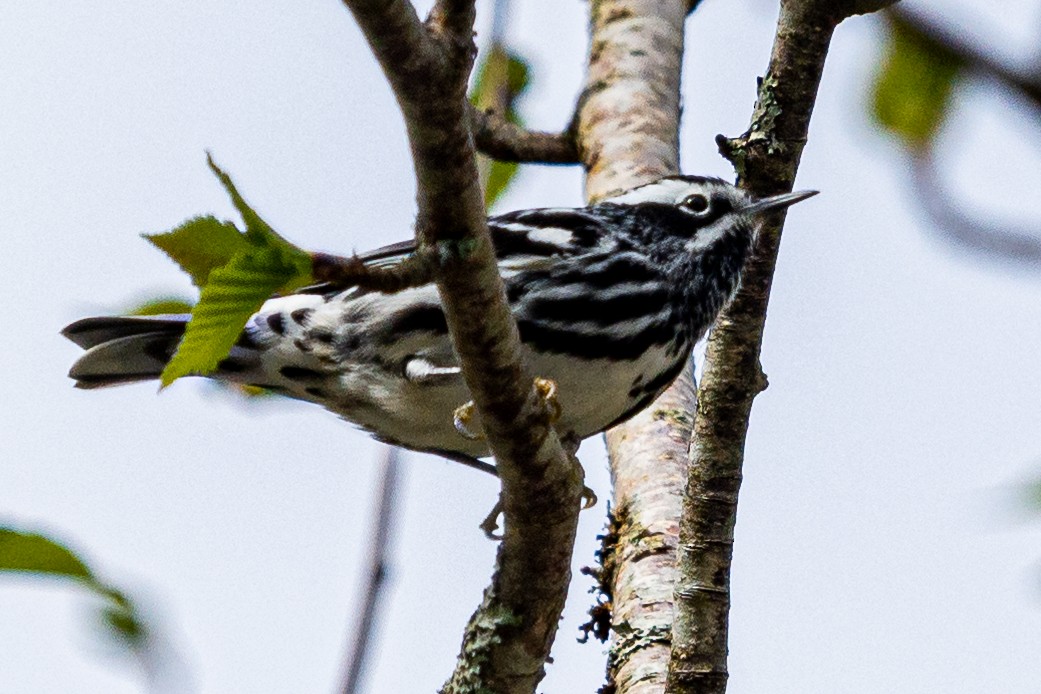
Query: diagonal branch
x=508, y=639
x=766, y=158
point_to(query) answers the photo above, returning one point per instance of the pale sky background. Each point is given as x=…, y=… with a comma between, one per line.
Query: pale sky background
x=881, y=544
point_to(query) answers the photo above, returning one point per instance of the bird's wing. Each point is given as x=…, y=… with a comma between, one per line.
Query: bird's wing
x=552, y=232
x=525, y=239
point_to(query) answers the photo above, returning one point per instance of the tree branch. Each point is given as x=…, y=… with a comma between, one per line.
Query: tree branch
x=418, y=269
x=506, y=141
x=508, y=639
x=766, y=158
x=628, y=113
x=628, y=134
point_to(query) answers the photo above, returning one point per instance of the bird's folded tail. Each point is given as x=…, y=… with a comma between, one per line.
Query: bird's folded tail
x=123, y=349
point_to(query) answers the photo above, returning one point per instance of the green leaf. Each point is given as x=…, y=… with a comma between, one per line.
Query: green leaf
x=497, y=179
x=200, y=245
x=232, y=294
x=161, y=307
x=912, y=91
x=501, y=77
x=31, y=553
x=260, y=264
x=258, y=231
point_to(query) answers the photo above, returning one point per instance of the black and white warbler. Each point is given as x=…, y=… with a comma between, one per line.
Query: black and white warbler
x=609, y=300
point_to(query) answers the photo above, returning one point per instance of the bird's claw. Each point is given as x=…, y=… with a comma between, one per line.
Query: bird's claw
x=547, y=390
x=462, y=418
x=490, y=523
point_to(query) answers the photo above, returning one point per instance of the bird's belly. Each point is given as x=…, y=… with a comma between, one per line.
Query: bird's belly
x=593, y=394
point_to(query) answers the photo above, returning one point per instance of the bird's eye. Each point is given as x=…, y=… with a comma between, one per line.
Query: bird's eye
x=696, y=203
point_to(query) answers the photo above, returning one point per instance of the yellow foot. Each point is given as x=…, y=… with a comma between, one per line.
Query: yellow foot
x=547, y=390
x=462, y=418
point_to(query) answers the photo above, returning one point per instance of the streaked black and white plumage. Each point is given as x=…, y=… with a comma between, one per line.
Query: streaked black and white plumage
x=609, y=300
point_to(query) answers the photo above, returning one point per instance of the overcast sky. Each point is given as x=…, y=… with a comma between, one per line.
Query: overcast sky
x=881, y=545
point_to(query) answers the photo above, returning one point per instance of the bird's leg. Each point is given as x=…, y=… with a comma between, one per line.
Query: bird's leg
x=463, y=416
x=547, y=390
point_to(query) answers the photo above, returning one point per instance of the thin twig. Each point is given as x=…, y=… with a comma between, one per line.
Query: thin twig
x=976, y=234
x=379, y=549
x=339, y=272
x=506, y=141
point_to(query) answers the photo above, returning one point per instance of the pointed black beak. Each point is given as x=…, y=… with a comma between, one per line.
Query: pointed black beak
x=777, y=202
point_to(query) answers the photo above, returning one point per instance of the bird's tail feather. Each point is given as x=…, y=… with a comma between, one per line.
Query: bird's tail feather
x=123, y=349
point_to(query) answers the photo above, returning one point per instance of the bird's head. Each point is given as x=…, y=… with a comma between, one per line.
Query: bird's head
x=700, y=230
x=705, y=210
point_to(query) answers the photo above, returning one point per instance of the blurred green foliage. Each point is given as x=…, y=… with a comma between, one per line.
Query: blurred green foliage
x=32, y=554
x=914, y=84
x=500, y=78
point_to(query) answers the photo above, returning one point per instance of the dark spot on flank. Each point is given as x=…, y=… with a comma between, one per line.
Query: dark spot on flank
x=315, y=392
x=351, y=342
x=418, y=318
x=300, y=373
x=301, y=345
x=232, y=365
x=277, y=323
x=301, y=315
x=323, y=336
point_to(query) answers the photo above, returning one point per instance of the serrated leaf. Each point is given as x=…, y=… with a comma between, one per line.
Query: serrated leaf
x=500, y=78
x=32, y=553
x=200, y=245
x=232, y=294
x=913, y=88
x=258, y=231
x=263, y=263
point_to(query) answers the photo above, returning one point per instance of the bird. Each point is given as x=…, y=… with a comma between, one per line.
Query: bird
x=609, y=300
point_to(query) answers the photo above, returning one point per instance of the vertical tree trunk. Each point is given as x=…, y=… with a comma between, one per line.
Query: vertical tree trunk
x=628, y=134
